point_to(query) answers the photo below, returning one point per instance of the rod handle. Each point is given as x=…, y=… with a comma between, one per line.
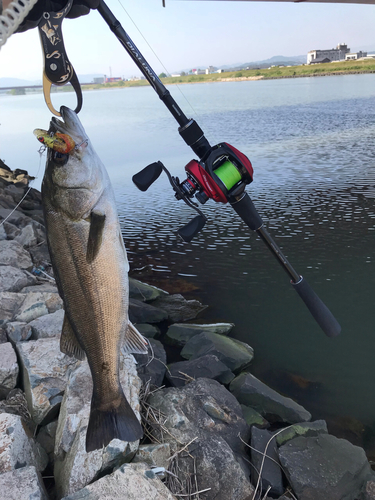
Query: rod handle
x=317, y=308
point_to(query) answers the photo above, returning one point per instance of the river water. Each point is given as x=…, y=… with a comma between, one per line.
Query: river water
x=312, y=145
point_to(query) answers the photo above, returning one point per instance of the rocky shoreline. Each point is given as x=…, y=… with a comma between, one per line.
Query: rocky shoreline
x=212, y=429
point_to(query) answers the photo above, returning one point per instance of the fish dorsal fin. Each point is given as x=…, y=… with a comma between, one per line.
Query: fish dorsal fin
x=97, y=222
x=68, y=342
x=134, y=341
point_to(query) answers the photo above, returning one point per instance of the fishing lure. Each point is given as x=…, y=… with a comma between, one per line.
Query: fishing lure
x=62, y=143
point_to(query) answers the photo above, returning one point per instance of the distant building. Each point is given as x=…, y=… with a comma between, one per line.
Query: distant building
x=355, y=55
x=199, y=72
x=337, y=54
x=99, y=79
x=210, y=70
x=113, y=79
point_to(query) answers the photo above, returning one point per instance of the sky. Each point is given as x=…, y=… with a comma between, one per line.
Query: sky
x=191, y=34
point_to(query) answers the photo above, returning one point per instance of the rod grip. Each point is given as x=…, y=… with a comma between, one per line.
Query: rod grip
x=317, y=308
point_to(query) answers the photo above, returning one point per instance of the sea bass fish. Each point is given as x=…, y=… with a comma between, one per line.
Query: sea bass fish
x=91, y=270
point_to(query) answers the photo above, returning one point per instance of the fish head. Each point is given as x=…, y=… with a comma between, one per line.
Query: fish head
x=73, y=181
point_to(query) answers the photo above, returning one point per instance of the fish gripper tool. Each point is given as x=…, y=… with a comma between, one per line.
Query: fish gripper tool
x=57, y=68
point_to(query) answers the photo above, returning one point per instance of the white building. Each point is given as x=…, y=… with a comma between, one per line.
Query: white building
x=337, y=54
x=355, y=55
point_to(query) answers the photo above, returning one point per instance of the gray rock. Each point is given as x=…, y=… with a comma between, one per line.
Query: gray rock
x=14, y=217
x=306, y=429
x=13, y=254
x=28, y=236
x=263, y=443
x=324, y=467
x=13, y=279
x=46, y=438
x=139, y=312
x=178, y=334
x=153, y=454
x=22, y=484
x=178, y=308
x=276, y=408
x=74, y=468
x=47, y=326
x=41, y=287
x=234, y=354
x=252, y=417
x=8, y=366
x=16, y=448
x=148, y=331
x=369, y=490
x=18, y=331
x=45, y=372
x=208, y=366
x=136, y=480
x=205, y=412
x=11, y=230
x=143, y=292
x=3, y=234
x=152, y=366
x=9, y=304
x=38, y=304
x=16, y=404
x=40, y=255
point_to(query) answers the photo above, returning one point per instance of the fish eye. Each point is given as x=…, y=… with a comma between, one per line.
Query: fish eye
x=60, y=158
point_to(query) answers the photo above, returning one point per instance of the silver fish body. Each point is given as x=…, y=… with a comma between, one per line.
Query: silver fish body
x=91, y=270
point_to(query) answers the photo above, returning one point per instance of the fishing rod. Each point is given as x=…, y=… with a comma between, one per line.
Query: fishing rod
x=221, y=174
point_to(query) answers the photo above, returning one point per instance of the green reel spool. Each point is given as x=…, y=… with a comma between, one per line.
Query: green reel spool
x=228, y=174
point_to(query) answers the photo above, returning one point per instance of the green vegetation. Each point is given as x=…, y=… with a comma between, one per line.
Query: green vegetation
x=344, y=67
x=18, y=91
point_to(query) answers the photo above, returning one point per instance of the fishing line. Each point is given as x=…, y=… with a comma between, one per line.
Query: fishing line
x=40, y=151
x=157, y=57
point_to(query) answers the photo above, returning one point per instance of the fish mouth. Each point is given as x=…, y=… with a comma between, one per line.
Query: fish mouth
x=69, y=124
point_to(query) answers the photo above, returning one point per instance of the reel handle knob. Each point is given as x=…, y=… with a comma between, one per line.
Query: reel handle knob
x=192, y=228
x=148, y=175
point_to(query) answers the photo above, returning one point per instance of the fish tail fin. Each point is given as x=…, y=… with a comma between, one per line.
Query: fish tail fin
x=118, y=422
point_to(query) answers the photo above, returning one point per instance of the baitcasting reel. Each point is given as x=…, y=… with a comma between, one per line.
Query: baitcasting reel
x=221, y=175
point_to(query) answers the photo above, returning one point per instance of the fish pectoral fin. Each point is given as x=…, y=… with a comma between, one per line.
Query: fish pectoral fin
x=68, y=342
x=134, y=341
x=97, y=222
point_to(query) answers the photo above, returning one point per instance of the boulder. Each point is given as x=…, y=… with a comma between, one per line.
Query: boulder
x=41, y=287
x=178, y=334
x=45, y=372
x=11, y=230
x=306, y=429
x=266, y=462
x=24, y=483
x=46, y=438
x=152, y=366
x=276, y=408
x=369, y=489
x=8, y=366
x=16, y=404
x=74, y=468
x=178, y=308
x=40, y=255
x=148, y=331
x=143, y=292
x=13, y=254
x=130, y=481
x=156, y=455
x=38, y=304
x=13, y=279
x=252, y=417
x=140, y=312
x=9, y=304
x=325, y=467
x=207, y=416
x=18, y=331
x=3, y=234
x=208, y=366
x=15, y=217
x=16, y=448
x=49, y=325
x=234, y=354
x=28, y=236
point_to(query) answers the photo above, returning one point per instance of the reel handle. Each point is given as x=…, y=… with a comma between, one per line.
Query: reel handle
x=148, y=175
